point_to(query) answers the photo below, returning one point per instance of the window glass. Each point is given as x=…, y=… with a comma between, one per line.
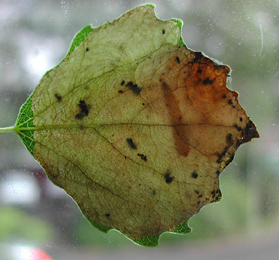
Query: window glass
x=40, y=218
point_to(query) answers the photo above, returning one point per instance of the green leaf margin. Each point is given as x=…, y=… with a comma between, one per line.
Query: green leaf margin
x=24, y=125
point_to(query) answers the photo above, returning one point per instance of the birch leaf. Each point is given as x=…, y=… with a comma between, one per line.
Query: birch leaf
x=135, y=127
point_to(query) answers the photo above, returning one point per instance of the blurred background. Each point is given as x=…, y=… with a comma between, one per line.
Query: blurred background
x=35, y=215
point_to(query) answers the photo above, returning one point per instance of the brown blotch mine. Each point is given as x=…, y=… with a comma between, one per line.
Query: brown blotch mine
x=175, y=114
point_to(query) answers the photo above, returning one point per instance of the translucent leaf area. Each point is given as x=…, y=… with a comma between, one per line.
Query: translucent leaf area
x=135, y=126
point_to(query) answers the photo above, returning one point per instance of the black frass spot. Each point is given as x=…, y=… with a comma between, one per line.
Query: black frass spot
x=142, y=156
x=84, y=110
x=168, y=177
x=131, y=143
x=208, y=81
x=194, y=175
x=134, y=87
x=58, y=97
x=239, y=128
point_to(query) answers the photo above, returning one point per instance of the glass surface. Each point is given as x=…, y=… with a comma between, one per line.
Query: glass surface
x=38, y=217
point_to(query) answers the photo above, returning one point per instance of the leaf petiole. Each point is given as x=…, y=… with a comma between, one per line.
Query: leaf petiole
x=8, y=129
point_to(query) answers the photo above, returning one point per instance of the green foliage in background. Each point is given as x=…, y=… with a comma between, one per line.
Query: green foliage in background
x=18, y=225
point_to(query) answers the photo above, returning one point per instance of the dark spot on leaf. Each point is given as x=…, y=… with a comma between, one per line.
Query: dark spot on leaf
x=230, y=159
x=237, y=127
x=200, y=196
x=218, y=172
x=177, y=59
x=163, y=31
x=168, y=177
x=142, y=156
x=207, y=81
x=120, y=91
x=197, y=192
x=107, y=215
x=131, y=143
x=240, y=119
x=87, y=49
x=134, y=87
x=222, y=154
x=250, y=132
x=143, y=104
x=84, y=110
x=224, y=96
x=229, y=139
x=154, y=192
x=198, y=57
x=200, y=71
x=217, y=195
x=230, y=102
x=194, y=175
x=122, y=82
x=58, y=97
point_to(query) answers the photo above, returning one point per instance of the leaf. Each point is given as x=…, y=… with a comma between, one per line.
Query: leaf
x=135, y=126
